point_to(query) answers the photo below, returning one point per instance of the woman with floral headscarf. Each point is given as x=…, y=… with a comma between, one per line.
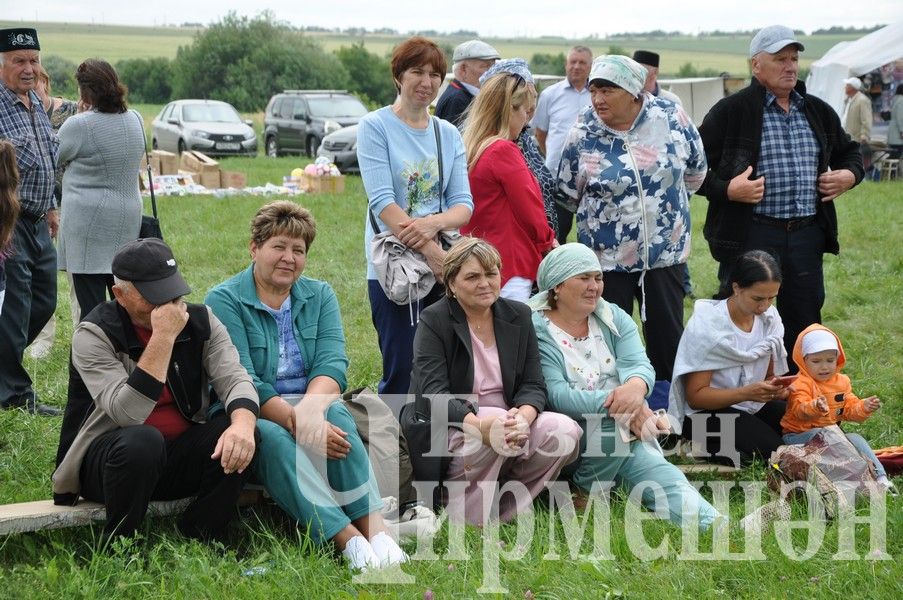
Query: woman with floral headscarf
x=631, y=162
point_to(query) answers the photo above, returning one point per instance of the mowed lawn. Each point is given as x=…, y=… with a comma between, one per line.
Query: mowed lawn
x=78, y=41
x=209, y=236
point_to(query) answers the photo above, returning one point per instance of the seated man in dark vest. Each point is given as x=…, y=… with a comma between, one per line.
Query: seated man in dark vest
x=144, y=367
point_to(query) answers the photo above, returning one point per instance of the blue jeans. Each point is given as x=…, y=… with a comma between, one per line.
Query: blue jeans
x=395, y=328
x=857, y=440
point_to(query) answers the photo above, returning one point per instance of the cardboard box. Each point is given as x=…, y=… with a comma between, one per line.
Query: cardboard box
x=232, y=179
x=164, y=163
x=198, y=162
x=323, y=185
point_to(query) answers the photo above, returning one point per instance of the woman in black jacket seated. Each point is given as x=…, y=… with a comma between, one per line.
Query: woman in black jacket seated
x=476, y=358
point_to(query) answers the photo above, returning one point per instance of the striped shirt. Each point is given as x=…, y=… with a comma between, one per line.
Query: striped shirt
x=36, y=150
x=788, y=159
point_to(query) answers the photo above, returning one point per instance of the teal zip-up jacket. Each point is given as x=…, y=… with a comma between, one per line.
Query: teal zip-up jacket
x=623, y=340
x=317, y=325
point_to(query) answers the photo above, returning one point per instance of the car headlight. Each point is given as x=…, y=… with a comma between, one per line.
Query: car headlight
x=250, y=135
x=199, y=134
x=330, y=126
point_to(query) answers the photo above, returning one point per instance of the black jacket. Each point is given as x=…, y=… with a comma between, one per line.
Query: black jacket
x=732, y=134
x=454, y=101
x=443, y=364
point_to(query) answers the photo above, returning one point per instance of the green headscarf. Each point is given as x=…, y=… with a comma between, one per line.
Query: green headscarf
x=560, y=264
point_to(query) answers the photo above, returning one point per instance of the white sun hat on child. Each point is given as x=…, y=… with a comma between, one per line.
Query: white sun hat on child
x=818, y=340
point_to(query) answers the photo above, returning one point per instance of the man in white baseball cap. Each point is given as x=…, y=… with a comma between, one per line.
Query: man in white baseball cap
x=471, y=59
x=778, y=159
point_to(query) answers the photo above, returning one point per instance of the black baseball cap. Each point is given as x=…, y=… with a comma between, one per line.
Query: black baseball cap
x=149, y=265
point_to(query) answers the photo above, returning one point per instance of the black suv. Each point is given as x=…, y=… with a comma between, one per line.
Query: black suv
x=297, y=120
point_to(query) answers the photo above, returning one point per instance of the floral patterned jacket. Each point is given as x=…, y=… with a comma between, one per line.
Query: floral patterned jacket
x=632, y=187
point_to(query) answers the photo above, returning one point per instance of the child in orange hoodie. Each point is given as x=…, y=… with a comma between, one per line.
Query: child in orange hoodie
x=823, y=396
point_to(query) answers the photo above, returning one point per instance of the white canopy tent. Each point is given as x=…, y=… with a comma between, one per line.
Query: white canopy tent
x=848, y=59
x=697, y=94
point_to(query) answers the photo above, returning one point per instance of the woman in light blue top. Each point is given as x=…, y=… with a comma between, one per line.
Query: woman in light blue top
x=400, y=151
x=288, y=333
x=597, y=373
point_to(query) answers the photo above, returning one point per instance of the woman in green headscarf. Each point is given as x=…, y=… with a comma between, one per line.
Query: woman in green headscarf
x=597, y=373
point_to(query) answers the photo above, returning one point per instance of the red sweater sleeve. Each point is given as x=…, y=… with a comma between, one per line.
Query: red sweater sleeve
x=523, y=193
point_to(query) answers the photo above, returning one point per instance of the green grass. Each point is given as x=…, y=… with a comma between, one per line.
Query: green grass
x=209, y=235
x=78, y=41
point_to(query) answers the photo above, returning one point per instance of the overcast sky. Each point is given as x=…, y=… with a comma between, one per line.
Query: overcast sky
x=487, y=17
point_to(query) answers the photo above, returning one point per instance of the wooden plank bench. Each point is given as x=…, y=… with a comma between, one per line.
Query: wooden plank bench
x=44, y=514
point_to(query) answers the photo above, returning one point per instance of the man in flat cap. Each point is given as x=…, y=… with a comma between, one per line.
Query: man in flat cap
x=470, y=60
x=778, y=158
x=650, y=60
x=31, y=267
x=144, y=368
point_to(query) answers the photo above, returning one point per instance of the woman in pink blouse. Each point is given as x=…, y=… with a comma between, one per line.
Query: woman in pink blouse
x=477, y=366
x=508, y=206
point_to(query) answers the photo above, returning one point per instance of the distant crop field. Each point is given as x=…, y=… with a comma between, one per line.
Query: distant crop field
x=78, y=41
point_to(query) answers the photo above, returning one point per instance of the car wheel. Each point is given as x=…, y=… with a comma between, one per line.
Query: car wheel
x=181, y=147
x=312, y=144
x=272, y=148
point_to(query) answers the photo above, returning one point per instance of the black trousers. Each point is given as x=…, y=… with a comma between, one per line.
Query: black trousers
x=92, y=289
x=664, y=310
x=127, y=468
x=565, y=223
x=752, y=436
x=29, y=303
x=799, y=252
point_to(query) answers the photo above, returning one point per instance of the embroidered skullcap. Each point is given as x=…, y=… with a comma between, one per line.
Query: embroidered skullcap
x=622, y=71
x=518, y=66
x=19, y=38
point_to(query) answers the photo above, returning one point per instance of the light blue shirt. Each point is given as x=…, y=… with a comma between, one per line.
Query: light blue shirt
x=291, y=376
x=556, y=112
x=398, y=164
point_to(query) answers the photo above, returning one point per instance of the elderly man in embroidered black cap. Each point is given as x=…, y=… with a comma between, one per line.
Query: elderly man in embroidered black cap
x=471, y=59
x=30, y=270
x=778, y=158
x=650, y=60
x=137, y=426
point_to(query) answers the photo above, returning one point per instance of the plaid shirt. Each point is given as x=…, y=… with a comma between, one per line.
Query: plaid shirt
x=36, y=150
x=788, y=158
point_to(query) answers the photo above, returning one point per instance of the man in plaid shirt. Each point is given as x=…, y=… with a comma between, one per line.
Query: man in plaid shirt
x=31, y=266
x=778, y=158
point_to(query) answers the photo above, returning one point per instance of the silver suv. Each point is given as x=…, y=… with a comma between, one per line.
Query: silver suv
x=297, y=120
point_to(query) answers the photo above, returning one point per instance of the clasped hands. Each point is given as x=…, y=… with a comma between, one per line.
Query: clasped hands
x=508, y=434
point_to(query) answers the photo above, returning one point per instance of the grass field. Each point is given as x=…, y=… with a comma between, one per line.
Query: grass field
x=76, y=42
x=209, y=236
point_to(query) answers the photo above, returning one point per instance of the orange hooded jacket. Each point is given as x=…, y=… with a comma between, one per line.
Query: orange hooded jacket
x=843, y=405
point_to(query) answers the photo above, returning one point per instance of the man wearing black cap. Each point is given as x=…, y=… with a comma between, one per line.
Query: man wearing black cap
x=778, y=158
x=31, y=267
x=650, y=60
x=137, y=426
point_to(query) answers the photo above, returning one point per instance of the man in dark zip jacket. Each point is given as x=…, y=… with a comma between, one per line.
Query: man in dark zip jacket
x=778, y=158
x=137, y=426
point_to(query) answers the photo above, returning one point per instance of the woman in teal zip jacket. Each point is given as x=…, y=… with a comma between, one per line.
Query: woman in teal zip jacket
x=597, y=373
x=288, y=332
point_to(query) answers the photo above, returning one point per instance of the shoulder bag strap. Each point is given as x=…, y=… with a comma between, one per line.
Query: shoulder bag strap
x=150, y=173
x=373, y=223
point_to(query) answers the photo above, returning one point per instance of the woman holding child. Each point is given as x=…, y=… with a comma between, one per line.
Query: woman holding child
x=288, y=332
x=597, y=373
x=724, y=387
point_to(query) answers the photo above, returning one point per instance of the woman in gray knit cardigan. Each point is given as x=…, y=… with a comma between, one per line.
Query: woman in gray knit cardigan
x=101, y=207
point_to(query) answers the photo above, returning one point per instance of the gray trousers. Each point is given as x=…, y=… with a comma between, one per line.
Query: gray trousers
x=29, y=303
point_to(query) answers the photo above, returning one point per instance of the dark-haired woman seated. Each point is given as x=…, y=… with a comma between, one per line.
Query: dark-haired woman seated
x=731, y=349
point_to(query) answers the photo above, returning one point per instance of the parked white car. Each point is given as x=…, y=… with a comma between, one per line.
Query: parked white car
x=209, y=126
